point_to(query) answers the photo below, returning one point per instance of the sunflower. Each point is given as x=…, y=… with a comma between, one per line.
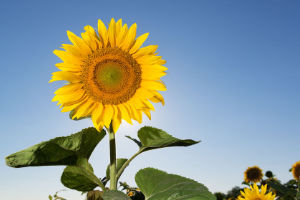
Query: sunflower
x=254, y=194
x=253, y=174
x=296, y=170
x=109, y=75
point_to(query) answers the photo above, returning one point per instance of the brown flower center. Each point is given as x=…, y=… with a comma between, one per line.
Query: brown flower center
x=111, y=76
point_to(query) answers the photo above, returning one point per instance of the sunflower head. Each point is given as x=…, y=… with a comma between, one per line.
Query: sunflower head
x=254, y=194
x=269, y=174
x=110, y=76
x=296, y=170
x=253, y=174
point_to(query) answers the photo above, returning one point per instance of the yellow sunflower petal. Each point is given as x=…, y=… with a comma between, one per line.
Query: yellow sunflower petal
x=84, y=109
x=77, y=41
x=70, y=107
x=157, y=98
x=148, y=60
x=107, y=115
x=117, y=119
x=148, y=50
x=64, y=76
x=68, y=89
x=72, y=50
x=129, y=39
x=71, y=97
x=90, y=38
x=72, y=103
x=137, y=115
x=118, y=27
x=68, y=67
x=147, y=113
x=111, y=33
x=67, y=57
x=157, y=68
x=121, y=35
x=147, y=75
x=125, y=114
x=154, y=85
x=96, y=116
x=102, y=32
x=138, y=43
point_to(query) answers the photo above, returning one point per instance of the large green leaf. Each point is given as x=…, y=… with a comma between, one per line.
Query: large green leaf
x=58, y=151
x=115, y=195
x=154, y=138
x=158, y=185
x=80, y=179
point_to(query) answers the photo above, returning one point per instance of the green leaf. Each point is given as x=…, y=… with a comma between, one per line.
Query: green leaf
x=120, y=163
x=158, y=185
x=58, y=151
x=134, y=140
x=80, y=179
x=154, y=138
x=115, y=195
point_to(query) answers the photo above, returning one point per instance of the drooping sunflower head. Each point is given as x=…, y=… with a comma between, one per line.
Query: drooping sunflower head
x=296, y=170
x=253, y=174
x=109, y=75
x=254, y=194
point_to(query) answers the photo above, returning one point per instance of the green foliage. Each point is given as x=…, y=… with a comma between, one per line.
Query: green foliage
x=58, y=151
x=284, y=192
x=115, y=195
x=234, y=192
x=79, y=178
x=120, y=163
x=298, y=193
x=219, y=195
x=158, y=185
x=154, y=138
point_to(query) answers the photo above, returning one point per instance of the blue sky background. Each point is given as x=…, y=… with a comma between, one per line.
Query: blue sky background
x=233, y=82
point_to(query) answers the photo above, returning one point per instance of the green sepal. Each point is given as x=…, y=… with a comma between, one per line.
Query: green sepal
x=115, y=195
x=120, y=163
x=58, y=151
x=154, y=138
x=159, y=185
x=79, y=178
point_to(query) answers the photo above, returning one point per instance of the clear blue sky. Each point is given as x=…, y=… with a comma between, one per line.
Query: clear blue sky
x=233, y=82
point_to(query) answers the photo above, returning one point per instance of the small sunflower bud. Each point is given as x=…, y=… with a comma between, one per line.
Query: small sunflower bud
x=269, y=174
x=94, y=195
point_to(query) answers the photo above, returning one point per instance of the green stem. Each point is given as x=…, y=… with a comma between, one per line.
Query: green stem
x=112, y=166
x=121, y=170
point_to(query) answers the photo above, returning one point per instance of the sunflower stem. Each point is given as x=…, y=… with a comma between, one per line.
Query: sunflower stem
x=112, y=166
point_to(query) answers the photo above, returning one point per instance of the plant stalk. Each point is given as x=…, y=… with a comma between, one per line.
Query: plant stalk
x=112, y=166
x=121, y=170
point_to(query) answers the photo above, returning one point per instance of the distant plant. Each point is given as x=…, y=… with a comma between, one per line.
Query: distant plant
x=270, y=186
